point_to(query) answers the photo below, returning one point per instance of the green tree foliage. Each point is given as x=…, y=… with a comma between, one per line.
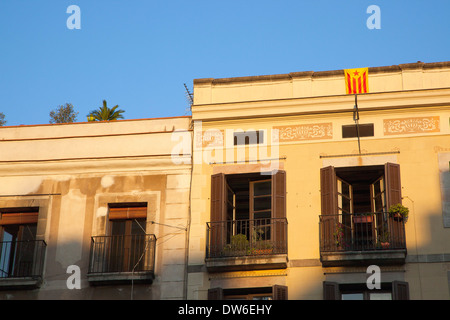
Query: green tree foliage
x=104, y=113
x=63, y=114
x=2, y=119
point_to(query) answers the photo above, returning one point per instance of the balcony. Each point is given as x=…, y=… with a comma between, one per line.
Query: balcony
x=246, y=244
x=122, y=258
x=356, y=239
x=21, y=263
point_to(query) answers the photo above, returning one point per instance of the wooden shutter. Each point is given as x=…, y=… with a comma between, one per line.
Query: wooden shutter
x=279, y=292
x=279, y=212
x=215, y=294
x=394, y=196
x=328, y=191
x=393, y=184
x=218, y=197
x=329, y=208
x=127, y=213
x=218, y=214
x=400, y=290
x=331, y=291
x=18, y=218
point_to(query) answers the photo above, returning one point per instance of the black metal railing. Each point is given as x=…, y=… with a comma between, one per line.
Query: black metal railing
x=257, y=237
x=361, y=232
x=122, y=253
x=22, y=259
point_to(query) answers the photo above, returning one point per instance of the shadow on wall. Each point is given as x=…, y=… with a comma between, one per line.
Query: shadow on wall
x=64, y=281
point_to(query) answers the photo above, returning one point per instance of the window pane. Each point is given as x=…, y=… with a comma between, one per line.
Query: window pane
x=263, y=188
x=352, y=296
x=138, y=226
x=266, y=215
x=118, y=227
x=381, y=296
x=263, y=203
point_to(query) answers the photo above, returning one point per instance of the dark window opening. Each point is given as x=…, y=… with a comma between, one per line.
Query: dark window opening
x=127, y=231
x=355, y=201
x=276, y=292
x=20, y=252
x=248, y=137
x=126, y=247
x=396, y=290
x=361, y=189
x=351, y=131
x=248, y=214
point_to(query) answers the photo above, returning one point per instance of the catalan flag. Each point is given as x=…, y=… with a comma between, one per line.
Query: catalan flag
x=357, y=80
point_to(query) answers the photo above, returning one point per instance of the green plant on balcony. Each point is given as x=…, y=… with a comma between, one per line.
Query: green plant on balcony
x=399, y=212
x=238, y=246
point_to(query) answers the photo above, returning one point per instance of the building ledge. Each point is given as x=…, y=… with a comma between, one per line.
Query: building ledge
x=112, y=278
x=378, y=257
x=25, y=283
x=277, y=261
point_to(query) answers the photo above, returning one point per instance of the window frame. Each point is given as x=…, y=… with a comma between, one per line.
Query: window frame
x=399, y=290
x=19, y=218
x=219, y=236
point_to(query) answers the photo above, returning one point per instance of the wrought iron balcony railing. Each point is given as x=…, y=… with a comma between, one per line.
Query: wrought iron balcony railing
x=257, y=237
x=361, y=232
x=22, y=259
x=122, y=253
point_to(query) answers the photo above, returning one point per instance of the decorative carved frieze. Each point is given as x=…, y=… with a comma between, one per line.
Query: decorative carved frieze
x=304, y=132
x=411, y=125
x=210, y=138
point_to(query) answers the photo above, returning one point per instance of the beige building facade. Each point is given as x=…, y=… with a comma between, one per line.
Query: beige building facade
x=95, y=210
x=276, y=187
x=287, y=202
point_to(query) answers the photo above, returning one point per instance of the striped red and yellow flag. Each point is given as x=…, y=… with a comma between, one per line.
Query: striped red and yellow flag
x=357, y=80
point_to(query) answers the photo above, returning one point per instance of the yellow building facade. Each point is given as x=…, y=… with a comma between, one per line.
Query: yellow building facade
x=277, y=187
x=290, y=197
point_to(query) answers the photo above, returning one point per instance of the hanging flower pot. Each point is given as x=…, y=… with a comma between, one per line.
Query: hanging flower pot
x=399, y=212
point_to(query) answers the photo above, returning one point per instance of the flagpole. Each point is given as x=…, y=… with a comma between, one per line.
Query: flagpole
x=356, y=119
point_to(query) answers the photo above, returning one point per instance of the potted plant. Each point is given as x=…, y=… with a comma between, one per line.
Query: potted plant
x=259, y=245
x=399, y=212
x=262, y=247
x=383, y=239
x=339, y=236
x=238, y=246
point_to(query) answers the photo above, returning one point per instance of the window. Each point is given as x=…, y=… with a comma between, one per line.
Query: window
x=355, y=201
x=396, y=290
x=248, y=214
x=248, y=137
x=351, y=131
x=20, y=253
x=276, y=292
x=127, y=247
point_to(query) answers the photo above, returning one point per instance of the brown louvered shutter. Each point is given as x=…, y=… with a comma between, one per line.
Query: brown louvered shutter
x=18, y=218
x=218, y=214
x=394, y=196
x=128, y=213
x=280, y=292
x=328, y=190
x=215, y=294
x=279, y=212
x=329, y=210
x=400, y=290
x=331, y=291
x=393, y=184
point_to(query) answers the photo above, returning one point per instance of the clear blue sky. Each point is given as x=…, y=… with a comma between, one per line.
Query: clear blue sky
x=138, y=53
